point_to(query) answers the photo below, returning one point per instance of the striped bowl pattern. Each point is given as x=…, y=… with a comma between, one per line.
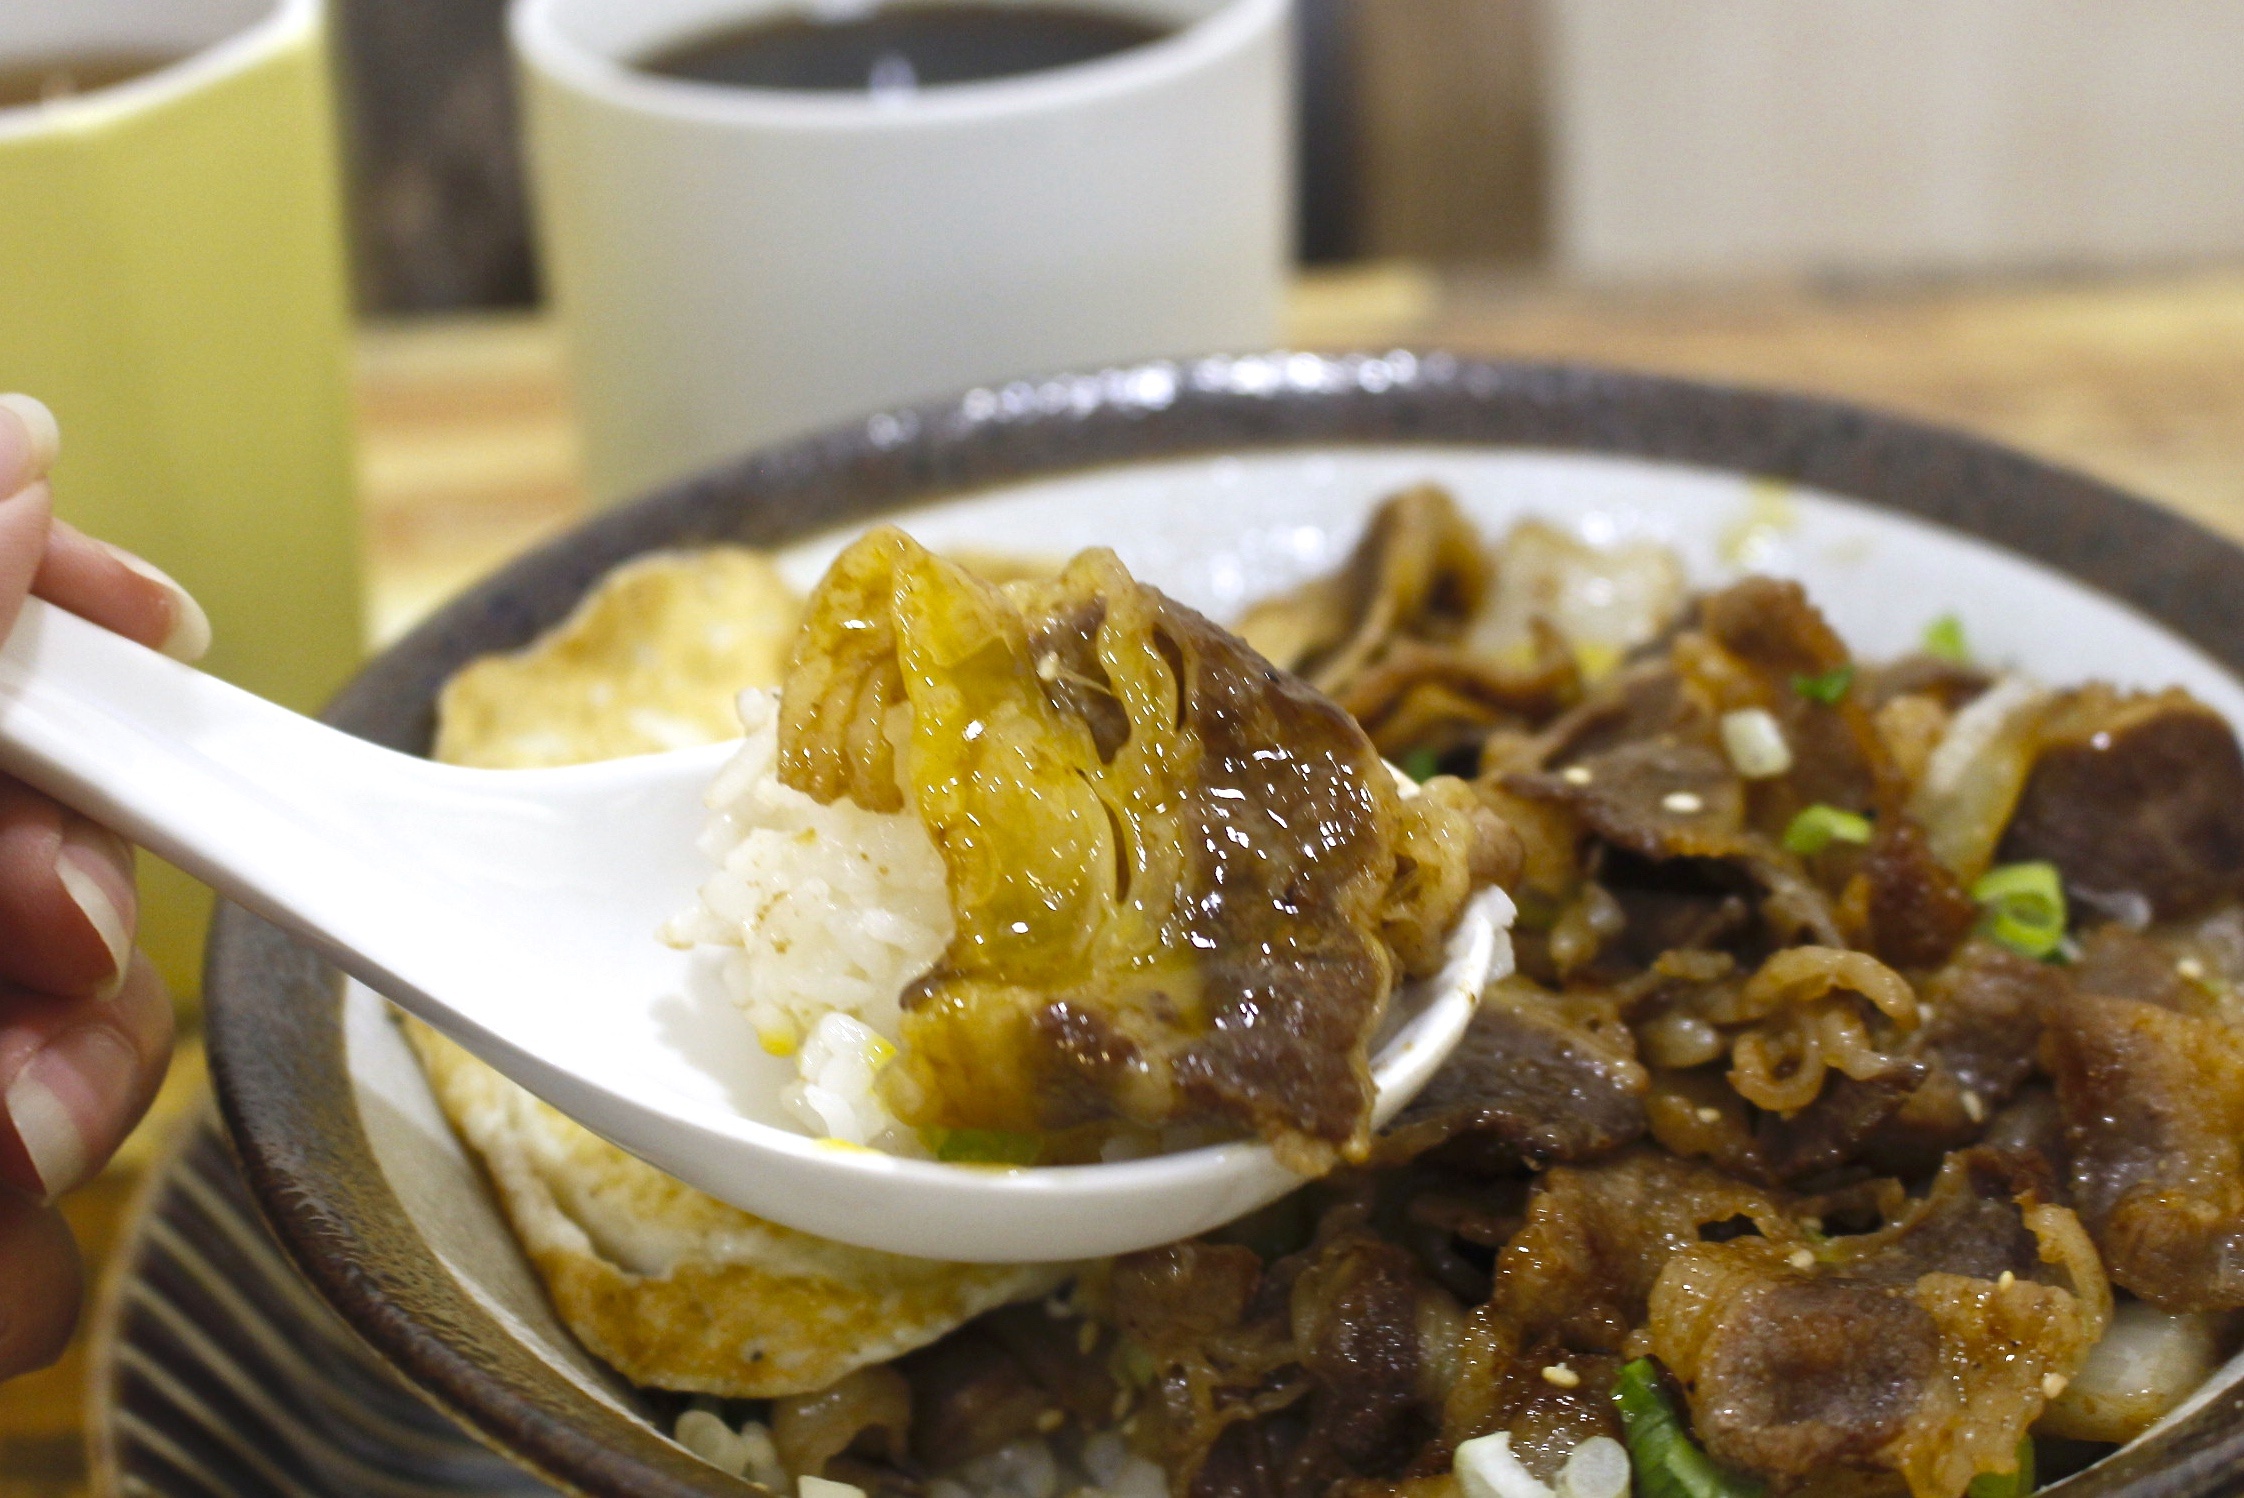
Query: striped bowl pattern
x=219, y=1374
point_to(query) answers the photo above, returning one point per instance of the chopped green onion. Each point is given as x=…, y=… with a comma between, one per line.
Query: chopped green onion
x=1826, y=688
x=1421, y=764
x=1944, y=638
x=1668, y=1462
x=1819, y=826
x=983, y=1146
x=2022, y=905
x=2007, y=1484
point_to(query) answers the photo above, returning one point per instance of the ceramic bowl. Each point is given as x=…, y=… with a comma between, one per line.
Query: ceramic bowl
x=1220, y=480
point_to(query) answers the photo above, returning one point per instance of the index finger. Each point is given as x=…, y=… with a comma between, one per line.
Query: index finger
x=25, y=515
x=120, y=592
x=28, y=441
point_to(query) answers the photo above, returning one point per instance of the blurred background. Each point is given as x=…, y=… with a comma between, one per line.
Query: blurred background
x=2012, y=214
x=2023, y=217
x=1645, y=139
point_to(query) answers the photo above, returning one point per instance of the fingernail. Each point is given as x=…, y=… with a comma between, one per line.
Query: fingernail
x=39, y=422
x=75, y=867
x=77, y=1075
x=190, y=626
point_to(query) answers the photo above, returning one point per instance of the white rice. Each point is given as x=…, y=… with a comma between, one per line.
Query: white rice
x=746, y=1452
x=828, y=912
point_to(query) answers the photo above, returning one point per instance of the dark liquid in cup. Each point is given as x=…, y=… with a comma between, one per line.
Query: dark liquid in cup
x=42, y=80
x=903, y=46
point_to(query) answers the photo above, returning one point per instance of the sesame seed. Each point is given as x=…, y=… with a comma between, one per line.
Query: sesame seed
x=2053, y=1384
x=1086, y=1336
x=1050, y=1421
x=1575, y=775
x=2191, y=968
x=1121, y=1403
x=1800, y=1258
x=1682, y=803
x=1048, y=666
x=2005, y=1280
x=1811, y=1224
x=1974, y=1109
x=1558, y=1375
x=1708, y=1115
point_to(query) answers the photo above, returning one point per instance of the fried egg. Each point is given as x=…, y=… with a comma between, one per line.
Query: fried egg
x=673, y=1288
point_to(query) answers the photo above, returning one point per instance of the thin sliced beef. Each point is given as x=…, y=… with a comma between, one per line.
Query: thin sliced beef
x=1974, y=1049
x=1982, y=1027
x=2153, y=1103
x=970, y=1396
x=1924, y=1349
x=1356, y=1314
x=2136, y=799
x=1802, y=1373
x=1984, y=1020
x=1769, y=624
x=1436, y=697
x=1663, y=797
x=1829, y=1132
x=1417, y=573
x=1684, y=904
x=1918, y=911
x=1648, y=699
x=1220, y=1339
x=1385, y=636
x=1767, y=631
x=2033, y=1124
x=1528, y=1085
x=1672, y=798
x=1579, y=1273
x=2122, y=964
x=1064, y=1359
x=1005, y=1375
x=1196, y=1301
x=1280, y=1381
x=1694, y=1113
x=1972, y=1222
x=1147, y=934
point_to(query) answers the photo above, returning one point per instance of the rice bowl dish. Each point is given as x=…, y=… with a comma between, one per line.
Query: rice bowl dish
x=1692, y=1088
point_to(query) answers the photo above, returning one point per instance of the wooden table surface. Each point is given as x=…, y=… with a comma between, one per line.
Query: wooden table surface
x=467, y=455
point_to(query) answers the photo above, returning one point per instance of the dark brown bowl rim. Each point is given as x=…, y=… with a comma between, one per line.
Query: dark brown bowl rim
x=275, y=1029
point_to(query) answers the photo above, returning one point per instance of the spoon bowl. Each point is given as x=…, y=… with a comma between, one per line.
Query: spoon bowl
x=517, y=911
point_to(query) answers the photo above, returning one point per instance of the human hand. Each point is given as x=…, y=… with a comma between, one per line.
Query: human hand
x=85, y=1024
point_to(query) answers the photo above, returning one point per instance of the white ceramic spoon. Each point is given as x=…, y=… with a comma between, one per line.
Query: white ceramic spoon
x=517, y=911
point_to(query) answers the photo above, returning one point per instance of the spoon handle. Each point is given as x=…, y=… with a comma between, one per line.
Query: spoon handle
x=246, y=796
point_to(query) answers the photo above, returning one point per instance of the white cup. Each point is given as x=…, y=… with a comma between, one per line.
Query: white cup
x=735, y=265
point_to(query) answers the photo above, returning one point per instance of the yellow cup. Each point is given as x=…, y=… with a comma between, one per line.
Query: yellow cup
x=172, y=284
